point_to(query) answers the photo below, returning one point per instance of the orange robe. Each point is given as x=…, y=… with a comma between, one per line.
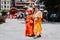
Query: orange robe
x=29, y=25
x=38, y=24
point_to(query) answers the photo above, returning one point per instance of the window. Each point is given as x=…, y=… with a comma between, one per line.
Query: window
x=24, y=0
x=1, y=0
x=4, y=6
x=7, y=2
x=17, y=0
x=4, y=2
x=21, y=0
x=7, y=6
x=1, y=6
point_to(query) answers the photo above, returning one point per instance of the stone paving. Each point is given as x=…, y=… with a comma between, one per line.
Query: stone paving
x=14, y=29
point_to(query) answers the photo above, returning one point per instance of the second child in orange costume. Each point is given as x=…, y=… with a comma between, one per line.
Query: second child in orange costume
x=29, y=23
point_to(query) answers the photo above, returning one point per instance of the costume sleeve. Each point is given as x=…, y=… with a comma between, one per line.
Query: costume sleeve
x=40, y=15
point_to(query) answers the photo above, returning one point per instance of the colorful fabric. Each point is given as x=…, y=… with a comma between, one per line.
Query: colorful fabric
x=29, y=25
x=37, y=24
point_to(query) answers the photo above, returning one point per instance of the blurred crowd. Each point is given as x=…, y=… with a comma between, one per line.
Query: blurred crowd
x=13, y=13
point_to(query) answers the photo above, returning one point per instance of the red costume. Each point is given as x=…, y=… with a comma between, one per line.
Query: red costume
x=13, y=13
x=29, y=24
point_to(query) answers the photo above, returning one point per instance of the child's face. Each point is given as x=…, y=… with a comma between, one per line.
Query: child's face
x=36, y=9
x=29, y=11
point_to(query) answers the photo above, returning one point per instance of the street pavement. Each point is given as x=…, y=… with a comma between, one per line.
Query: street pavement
x=14, y=29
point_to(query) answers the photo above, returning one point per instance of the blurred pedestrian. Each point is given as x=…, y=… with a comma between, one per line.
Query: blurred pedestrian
x=37, y=22
x=13, y=13
x=45, y=15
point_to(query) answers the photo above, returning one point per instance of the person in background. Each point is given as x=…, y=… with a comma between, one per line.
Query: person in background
x=13, y=13
x=29, y=23
x=37, y=22
x=45, y=15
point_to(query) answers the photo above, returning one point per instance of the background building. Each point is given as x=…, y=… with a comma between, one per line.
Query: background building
x=21, y=4
x=5, y=4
